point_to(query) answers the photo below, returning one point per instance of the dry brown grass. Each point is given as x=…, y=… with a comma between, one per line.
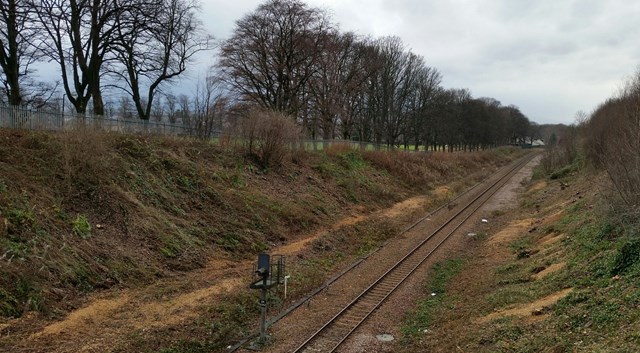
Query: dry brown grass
x=164, y=205
x=429, y=169
x=268, y=136
x=336, y=148
x=85, y=156
x=168, y=206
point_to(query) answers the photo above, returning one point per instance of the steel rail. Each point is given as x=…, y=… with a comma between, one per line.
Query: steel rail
x=353, y=265
x=380, y=290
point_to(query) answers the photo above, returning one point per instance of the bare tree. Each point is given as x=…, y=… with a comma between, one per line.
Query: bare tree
x=393, y=84
x=157, y=109
x=19, y=42
x=79, y=34
x=125, y=109
x=519, y=125
x=155, y=42
x=171, y=107
x=422, y=103
x=16, y=53
x=109, y=109
x=272, y=54
x=339, y=76
x=184, y=114
x=209, y=108
x=613, y=141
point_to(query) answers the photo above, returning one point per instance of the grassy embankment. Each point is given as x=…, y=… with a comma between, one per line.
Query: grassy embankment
x=566, y=281
x=83, y=211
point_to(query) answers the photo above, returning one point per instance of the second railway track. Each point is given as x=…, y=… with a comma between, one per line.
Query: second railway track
x=331, y=336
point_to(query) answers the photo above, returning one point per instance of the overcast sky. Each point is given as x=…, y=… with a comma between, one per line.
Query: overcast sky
x=551, y=58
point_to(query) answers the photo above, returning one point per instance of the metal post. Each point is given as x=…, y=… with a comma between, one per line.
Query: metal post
x=286, y=278
x=263, y=311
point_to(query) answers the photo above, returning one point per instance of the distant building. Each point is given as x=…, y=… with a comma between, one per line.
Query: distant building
x=537, y=143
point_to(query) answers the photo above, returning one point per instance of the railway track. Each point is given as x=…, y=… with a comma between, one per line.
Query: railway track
x=337, y=330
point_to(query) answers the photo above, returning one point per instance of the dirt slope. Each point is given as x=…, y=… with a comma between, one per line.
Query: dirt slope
x=130, y=235
x=557, y=273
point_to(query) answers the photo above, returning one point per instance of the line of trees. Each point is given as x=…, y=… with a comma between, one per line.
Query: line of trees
x=134, y=46
x=289, y=57
x=611, y=137
x=284, y=56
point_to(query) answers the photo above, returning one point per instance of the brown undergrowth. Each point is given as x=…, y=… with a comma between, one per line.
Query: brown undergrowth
x=81, y=211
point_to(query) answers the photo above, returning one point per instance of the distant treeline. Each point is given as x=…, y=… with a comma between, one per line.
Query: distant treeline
x=289, y=57
x=284, y=56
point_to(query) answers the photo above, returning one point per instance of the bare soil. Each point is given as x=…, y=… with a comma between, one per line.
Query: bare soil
x=110, y=316
x=388, y=319
x=512, y=280
x=175, y=225
x=549, y=270
x=507, y=198
x=528, y=309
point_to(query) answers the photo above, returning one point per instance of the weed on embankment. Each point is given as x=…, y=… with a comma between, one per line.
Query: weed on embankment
x=567, y=282
x=84, y=211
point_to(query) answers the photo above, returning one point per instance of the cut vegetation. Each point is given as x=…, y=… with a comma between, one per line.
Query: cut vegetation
x=138, y=243
x=558, y=274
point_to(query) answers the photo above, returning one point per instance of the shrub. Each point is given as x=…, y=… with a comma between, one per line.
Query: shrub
x=560, y=156
x=268, y=136
x=8, y=305
x=628, y=255
x=613, y=142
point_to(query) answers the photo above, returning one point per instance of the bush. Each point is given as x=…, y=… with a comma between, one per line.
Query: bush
x=8, y=305
x=268, y=136
x=559, y=157
x=628, y=255
x=613, y=142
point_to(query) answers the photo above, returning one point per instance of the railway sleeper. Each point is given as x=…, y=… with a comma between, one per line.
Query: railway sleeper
x=373, y=300
x=344, y=324
x=362, y=313
x=386, y=285
x=351, y=319
x=340, y=328
x=395, y=278
x=382, y=292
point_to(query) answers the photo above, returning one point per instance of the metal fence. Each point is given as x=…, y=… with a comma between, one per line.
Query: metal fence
x=318, y=145
x=51, y=120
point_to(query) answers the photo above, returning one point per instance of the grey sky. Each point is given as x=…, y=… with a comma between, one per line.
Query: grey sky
x=549, y=57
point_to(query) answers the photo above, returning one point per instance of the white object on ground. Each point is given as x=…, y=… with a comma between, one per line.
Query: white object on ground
x=385, y=337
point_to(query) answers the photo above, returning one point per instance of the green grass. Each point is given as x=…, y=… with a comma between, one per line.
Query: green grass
x=350, y=172
x=319, y=146
x=435, y=303
x=602, y=303
x=166, y=206
x=81, y=226
x=603, y=268
x=601, y=248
